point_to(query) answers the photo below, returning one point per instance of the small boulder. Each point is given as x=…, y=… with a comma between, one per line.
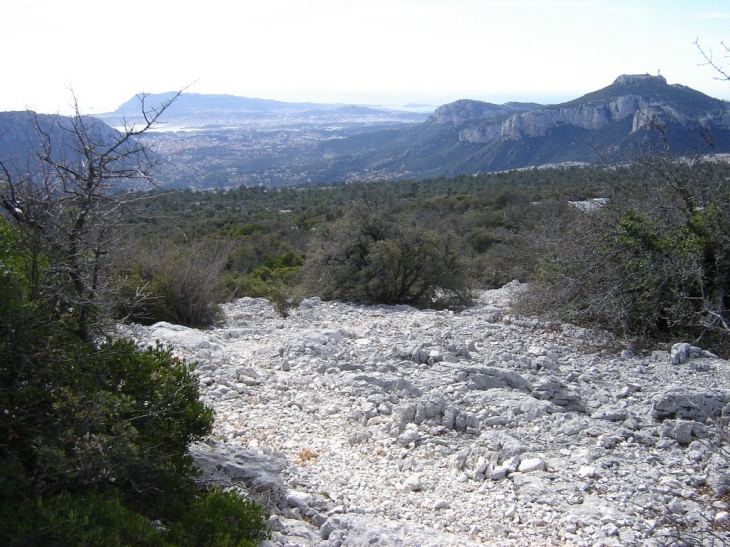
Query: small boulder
x=680, y=353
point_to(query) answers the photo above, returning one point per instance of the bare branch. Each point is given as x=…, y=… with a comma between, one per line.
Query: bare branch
x=709, y=61
x=72, y=195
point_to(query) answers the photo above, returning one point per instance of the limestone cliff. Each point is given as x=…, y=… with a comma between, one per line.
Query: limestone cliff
x=466, y=109
x=626, y=98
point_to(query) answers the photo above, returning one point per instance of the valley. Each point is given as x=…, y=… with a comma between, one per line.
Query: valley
x=209, y=142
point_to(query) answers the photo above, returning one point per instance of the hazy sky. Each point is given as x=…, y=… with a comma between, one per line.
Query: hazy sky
x=355, y=51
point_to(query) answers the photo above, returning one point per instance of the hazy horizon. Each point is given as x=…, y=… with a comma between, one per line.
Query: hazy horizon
x=395, y=102
x=346, y=51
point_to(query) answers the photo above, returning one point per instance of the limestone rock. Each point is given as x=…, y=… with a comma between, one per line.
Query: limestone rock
x=531, y=464
x=690, y=403
x=387, y=425
x=492, y=378
x=680, y=353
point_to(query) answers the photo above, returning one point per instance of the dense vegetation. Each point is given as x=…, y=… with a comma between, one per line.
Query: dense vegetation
x=652, y=264
x=93, y=440
x=94, y=431
x=451, y=234
x=361, y=242
x=377, y=253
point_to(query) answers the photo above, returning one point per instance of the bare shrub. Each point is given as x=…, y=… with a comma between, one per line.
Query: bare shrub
x=652, y=263
x=68, y=195
x=180, y=283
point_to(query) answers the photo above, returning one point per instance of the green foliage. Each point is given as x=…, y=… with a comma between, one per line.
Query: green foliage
x=89, y=520
x=377, y=254
x=15, y=286
x=214, y=519
x=220, y=519
x=93, y=438
x=282, y=270
x=118, y=417
x=489, y=215
x=247, y=230
x=655, y=263
x=275, y=280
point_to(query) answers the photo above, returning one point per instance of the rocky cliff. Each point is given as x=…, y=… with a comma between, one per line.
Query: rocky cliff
x=387, y=425
x=593, y=115
x=466, y=109
x=537, y=123
x=635, y=116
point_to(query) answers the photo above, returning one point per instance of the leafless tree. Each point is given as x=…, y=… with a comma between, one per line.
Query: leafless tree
x=68, y=197
x=710, y=61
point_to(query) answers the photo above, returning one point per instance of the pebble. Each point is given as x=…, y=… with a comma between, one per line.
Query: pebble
x=391, y=425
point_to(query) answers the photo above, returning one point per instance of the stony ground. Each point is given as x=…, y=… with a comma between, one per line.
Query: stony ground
x=388, y=425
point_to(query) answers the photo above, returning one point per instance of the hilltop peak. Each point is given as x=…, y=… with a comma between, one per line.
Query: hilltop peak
x=634, y=79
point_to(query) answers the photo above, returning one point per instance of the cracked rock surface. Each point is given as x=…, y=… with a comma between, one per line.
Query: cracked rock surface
x=387, y=425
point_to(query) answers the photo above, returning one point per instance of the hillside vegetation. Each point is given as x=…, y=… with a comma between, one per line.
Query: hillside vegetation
x=429, y=243
x=94, y=431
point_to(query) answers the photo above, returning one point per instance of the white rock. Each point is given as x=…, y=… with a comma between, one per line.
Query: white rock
x=413, y=483
x=531, y=464
x=587, y=472
x=389, y=419
x=499, y=472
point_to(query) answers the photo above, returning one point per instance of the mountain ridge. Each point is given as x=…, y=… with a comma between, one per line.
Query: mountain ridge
x=635, y=115
x=230, y=143
x=192, y=102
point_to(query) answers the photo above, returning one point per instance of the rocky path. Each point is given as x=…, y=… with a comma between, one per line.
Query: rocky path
x=388, y=426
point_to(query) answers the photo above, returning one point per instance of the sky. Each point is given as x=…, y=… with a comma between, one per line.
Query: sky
x=388, y=52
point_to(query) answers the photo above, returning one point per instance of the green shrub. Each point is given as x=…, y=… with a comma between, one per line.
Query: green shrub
x=220, y=519
x=90, y=520
x=376, y=254
x=78, y=417
x=94, y=437
x=275, y=280
x=653, y=264
x=214, y=519
x=114, y=418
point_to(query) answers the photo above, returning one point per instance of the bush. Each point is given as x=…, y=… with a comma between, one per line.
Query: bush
x=220, y=519
x=653, y=264
x=275, y=280
x=82, y=521
x=214, y=519
x=376, y=254
x=178, y=284
x=117, y=418
x=94, y=437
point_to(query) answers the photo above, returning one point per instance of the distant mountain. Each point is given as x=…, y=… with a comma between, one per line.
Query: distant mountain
x=637, y=114
x=191, y=103
x=465, y=110
x=215, y=111
x=224, y=141
x=21, y=134
x=18, y=134
x=26, y=136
